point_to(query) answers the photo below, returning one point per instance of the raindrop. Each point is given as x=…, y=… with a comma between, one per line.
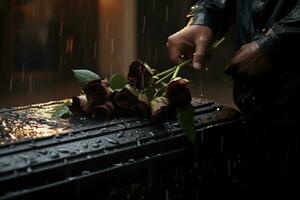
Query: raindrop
x=30, y=83
x=121, y=126
x=29, y=169
x=167, y=194
x=119, y=135
x=167, y=13
x=103, y=130
x=228, y=167
x=138, y=142
x=11, y=83
x=60, y=62
x=53, y=155
x=70, y=178
x=151, y=133
x=61, y=28
x=95, y=145
x=98, y=141
x=112, y=46
x=147, y=157
x=131, y=160
x=95, y=50
x=222, y=144
x=88, y=156
x=84, y=145
x=112, y=141
x=66, y=150
x=118, y=165
x=144, y=25
x=85, y=172
x=42, y=152
x=23, y=73
x=106, y=29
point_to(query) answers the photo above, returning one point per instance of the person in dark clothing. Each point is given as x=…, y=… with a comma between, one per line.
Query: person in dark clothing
x=266, y=76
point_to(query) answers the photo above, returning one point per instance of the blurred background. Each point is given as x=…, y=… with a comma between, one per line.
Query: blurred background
x=41, y=41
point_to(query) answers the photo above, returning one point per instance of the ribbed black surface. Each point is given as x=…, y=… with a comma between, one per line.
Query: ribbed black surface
x=98, y=158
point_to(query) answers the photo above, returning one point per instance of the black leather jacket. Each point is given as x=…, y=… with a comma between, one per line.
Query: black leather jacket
x=277, y=95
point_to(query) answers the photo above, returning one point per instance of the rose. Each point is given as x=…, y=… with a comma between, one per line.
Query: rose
x=178, y=93
x=143, y=106
x=160, y=109
x=104, y=111
x=125, y=101
x=97, y=91
x=140, y=75
x=80, y=105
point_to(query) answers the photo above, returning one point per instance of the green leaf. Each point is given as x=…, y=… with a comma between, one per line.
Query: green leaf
x=117, y=82
x=85, y=76
x=186, y=121
x=61, y=111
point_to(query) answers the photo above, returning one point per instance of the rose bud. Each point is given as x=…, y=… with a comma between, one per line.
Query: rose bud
x=104, y=111
x=160, y=109
x=140, y=75
x=125, y=101
x=97, y=91
x=80, y=105
x=178, y=93
x=143, y=105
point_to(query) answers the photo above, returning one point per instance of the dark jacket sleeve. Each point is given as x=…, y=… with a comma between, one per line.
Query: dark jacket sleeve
x=282, y=42
x=217, y=14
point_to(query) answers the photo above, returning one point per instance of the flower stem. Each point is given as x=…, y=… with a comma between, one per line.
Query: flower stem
x=176, y=72
x=216, y=44
x=178, y=67
x=166, y=72
x=164, y=78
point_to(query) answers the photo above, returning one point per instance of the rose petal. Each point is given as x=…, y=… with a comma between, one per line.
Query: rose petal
x=140, y=75
x=97, y=91
x=178, y=93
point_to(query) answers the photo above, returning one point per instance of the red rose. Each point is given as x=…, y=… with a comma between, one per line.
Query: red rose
x=97, y=91
x=143, y=106
x=125, y=101
x=160, y=110
x=140, y=75
x=104, y=111
x=178, y=93
x=80, y=105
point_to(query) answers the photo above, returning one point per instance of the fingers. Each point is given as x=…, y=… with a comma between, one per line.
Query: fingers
x=190, y=41
x=174, y=52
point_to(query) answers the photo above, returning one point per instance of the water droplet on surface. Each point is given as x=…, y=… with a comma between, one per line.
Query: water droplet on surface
x=95, y=145
x=85, y=172
x=118, y=165
x=42, y=152
x=84, y=145
x=29, y=169
x=121, y=126
x=112, y=141
x=66, y=150
x=53, y=155
x=98, y=141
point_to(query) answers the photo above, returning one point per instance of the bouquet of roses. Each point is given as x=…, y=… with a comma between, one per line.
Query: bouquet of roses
x=145, y=92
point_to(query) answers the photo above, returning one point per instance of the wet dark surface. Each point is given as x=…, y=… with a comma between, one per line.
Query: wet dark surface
x=35, y=145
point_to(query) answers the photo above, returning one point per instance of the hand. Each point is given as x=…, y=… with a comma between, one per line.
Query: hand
x=191, y=41
x=249, y=61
